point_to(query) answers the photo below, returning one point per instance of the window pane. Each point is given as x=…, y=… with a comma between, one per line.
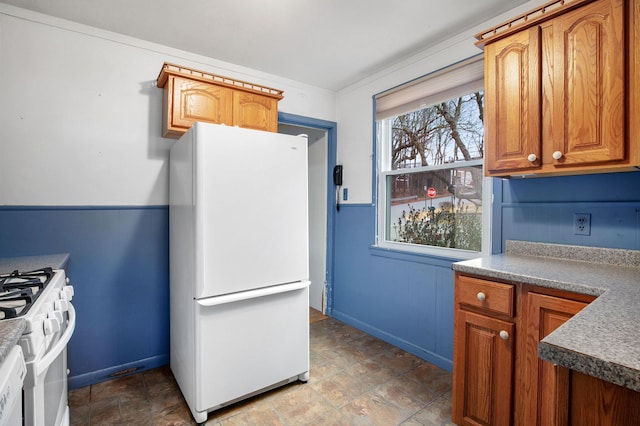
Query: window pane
x=439, y=134
x=440, y=208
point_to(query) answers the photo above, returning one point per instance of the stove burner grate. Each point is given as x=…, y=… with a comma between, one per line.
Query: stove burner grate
x=19, y=291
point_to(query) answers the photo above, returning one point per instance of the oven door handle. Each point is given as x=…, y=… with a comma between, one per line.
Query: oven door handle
x=57, y=349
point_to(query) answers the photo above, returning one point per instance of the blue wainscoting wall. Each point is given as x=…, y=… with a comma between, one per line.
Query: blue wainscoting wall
x=542, y=209
x=119, y=267
x=402, y=298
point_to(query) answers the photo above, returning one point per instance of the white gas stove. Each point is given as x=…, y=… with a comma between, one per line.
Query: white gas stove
x=43, y=299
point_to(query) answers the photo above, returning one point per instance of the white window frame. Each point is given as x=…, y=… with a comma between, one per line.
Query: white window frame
x=411, y=96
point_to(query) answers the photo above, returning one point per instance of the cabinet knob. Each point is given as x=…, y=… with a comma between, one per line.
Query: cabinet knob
x=532, y=157
x=504, y=335
x=557, y=155
x=481, y=296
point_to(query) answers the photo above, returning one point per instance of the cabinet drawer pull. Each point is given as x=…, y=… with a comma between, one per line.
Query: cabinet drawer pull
x=481, y=296
x=504, y=335
x=532, y=157
x=557, y=155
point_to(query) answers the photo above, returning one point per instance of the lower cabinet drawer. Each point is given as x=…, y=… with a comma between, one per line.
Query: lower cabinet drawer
x=487, y=295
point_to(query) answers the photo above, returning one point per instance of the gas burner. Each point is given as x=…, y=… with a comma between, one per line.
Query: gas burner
x=19, y=290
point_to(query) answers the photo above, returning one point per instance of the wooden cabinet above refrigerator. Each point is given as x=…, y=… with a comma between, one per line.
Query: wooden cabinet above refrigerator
x=190, y=95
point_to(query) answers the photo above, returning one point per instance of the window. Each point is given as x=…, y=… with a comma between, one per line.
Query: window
x=431, y=188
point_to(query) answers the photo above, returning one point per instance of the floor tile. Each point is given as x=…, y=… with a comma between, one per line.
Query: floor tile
x=355, y=379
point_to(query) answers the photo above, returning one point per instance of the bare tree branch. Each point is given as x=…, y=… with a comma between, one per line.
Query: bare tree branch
x=452, y=120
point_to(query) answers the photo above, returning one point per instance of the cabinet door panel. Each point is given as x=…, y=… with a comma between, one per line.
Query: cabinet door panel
x=590, y=42
x=255, y=112
x=196, y=101
x=512, y=100
x=484, y=370
x=547, y=384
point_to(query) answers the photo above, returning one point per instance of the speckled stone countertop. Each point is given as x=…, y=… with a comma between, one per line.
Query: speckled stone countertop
x=11, y=329
x=602, y=340
x=30, y=263
x=10, y=332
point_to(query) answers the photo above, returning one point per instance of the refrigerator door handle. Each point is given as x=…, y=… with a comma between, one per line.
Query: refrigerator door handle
x=251, y=294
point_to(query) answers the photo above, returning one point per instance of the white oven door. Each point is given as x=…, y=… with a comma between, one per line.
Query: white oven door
x=45, y=387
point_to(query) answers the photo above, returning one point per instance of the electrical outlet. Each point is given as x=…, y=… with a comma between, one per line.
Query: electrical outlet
x=581, y=224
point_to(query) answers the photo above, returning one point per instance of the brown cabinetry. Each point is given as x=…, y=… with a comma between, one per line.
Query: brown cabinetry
x=255, y=111
x=512, y=102
x=595, y=402
x=545, y=395
x=484, y=352
x=559, y=88
x=189, y=101
x=498, y=378
x=191, y=96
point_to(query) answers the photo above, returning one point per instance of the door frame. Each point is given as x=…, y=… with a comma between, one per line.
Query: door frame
x=331, y=128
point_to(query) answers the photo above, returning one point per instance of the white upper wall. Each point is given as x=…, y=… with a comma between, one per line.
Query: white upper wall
x=355, y=103
x=80, y=117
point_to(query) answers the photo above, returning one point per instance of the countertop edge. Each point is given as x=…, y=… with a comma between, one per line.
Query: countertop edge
x=30, y=263
x=530, y=280
x=592, y=366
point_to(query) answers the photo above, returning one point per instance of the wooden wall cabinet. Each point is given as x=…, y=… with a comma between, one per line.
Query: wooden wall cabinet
x=256, y=112
x=512, y=102
x=190, y=96
x=560, y=90
x=188, y=101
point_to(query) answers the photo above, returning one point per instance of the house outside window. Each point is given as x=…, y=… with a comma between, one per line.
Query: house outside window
x=432, y=193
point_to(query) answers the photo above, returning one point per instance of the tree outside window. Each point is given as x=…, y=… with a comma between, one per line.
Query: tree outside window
x=433, y=174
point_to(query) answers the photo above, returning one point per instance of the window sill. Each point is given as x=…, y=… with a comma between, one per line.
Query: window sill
x=437, y=259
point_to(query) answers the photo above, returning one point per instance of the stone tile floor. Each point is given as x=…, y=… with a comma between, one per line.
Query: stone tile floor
x=355, y=379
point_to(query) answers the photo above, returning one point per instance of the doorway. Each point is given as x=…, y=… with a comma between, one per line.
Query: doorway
x=321, y=156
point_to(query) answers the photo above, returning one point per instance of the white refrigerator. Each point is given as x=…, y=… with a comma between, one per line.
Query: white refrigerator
x=239, y=266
